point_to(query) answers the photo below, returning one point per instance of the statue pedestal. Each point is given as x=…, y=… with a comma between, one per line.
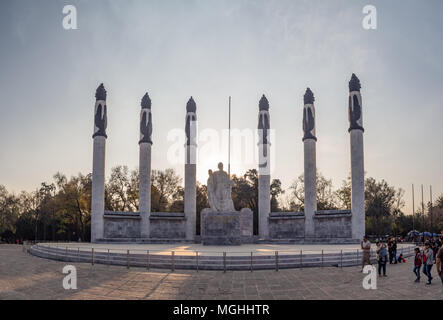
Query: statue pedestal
x=225, y=228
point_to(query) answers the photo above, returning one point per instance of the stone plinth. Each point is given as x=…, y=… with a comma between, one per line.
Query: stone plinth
x=220, y=228
x=246, y=222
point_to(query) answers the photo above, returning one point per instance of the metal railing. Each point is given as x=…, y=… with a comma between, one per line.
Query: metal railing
x=204, y=260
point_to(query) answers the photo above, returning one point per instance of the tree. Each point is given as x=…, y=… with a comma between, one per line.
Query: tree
x=167, y=184
x=325, y=196
x=381, y=200
x=245, y=194
x=9, y=213
x=276, y=191
x=74, y=205
x=344, y=194
x=121, y=189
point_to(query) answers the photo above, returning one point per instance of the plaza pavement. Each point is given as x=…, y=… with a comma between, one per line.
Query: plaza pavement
x=23, y=276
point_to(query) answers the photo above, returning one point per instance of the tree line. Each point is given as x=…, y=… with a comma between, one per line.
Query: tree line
x=61, y=210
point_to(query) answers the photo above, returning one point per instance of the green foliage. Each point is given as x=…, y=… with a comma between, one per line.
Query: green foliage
x=326, y=199
x=61, y=210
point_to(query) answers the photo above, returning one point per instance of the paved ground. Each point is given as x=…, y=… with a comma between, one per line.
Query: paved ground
x=23, y=276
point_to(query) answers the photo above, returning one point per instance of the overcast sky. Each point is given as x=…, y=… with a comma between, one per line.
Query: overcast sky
x=210, y=50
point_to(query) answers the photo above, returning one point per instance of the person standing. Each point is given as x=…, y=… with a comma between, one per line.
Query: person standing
x=417, y=264
x=394, y=250
x=429, y=254
x=366, y=247
x=382, y=258
x=390, y=250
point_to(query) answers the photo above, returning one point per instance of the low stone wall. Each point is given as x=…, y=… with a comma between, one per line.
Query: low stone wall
x=333, y=224
x=167, y=225
x=119, y=225
x=126, y=226
x=206, y=261
x=286, y=225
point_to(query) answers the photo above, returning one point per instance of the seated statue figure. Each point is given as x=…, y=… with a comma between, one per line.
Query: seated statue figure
x=219, y=191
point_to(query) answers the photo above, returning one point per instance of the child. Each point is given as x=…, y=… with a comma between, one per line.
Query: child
x=417, y=264
x=401, y=259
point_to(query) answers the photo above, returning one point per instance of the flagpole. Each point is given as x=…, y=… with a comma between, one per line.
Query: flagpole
x=413, y=208
x=423, y=213
x=430, y=209
x=229, y=140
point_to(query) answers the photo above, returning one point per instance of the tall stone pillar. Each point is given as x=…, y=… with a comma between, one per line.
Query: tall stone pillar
x=98, y=165
x=190, y=202
x=357, y=158
x=264, y=169
x=145, y=145
x=310, y=158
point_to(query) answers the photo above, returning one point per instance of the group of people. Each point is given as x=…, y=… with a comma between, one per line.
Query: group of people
x=423, y=261
x=432, y=254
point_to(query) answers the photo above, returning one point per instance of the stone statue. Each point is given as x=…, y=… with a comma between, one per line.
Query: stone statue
x=190, y=119
x=146, y=120
x=219, y=191
x=309, y=116
x=263, y=132
x=355, y=113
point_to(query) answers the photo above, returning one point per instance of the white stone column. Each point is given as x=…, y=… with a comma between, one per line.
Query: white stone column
x=264, y=205
x=190, y=201
x=310, y=163
x=356, y=130
x=145, y=145
x=98, y=166
x=264, y=169
x=358, y=184
x=310, y=172
x=145, y=188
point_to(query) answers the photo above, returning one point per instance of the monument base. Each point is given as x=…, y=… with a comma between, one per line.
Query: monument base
x=226, y=228
x=220, y=228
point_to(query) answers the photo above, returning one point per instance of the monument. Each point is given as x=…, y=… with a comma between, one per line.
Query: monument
x=145, y=145
x=310, y=178
x=98, y=165
x=357, y=158
x=264, y=169
x=221, y=224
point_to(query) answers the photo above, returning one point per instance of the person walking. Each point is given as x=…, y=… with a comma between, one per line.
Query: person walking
x=417, y=264
x=439, y=264
x=382, y=258
x=429, y=261
x=366, y=247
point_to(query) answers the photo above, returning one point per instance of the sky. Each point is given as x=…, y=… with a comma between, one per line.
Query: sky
x=210, y=50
